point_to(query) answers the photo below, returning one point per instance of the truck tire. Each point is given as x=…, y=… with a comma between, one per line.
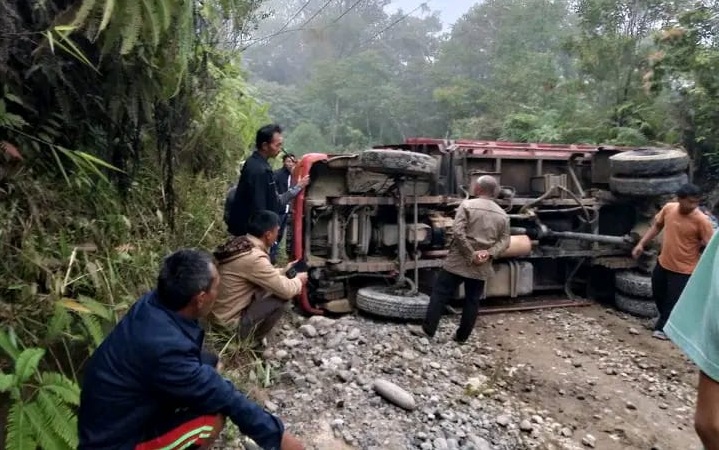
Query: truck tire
x=640, y=307
x=393, y=162
x=648, y=161
x=382, y=301
x=647, y=187
x=634, y=283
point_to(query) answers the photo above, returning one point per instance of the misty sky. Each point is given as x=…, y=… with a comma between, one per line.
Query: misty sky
x=451, y=10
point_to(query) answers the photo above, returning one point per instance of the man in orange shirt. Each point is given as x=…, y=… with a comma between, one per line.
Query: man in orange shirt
x=686, y=232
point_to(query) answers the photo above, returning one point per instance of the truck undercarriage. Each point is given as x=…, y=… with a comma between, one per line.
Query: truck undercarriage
x=375, y=226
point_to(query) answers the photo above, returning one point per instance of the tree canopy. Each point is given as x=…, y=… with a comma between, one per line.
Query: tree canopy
x=593, y=71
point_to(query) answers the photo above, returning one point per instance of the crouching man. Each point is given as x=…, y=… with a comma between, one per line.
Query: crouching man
x=253, y=293
x=149, y=385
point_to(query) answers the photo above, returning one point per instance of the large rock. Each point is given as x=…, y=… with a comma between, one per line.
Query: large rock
x=308, y=330
x=394, y=394
x=320, y=322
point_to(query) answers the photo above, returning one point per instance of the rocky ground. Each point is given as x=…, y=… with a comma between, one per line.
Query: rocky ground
x=576, y=378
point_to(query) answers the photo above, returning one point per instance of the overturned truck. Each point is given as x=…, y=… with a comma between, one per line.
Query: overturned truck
x=375, y=226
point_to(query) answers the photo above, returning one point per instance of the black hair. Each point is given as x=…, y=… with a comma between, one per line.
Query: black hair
x=184, y=274
x=288, y=156
x=689, y=190
x=265, y=134
x=261, y=222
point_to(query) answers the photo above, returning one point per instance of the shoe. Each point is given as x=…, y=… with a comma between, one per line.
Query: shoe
x=660, y=335
x=458, y=341
x=418, y=330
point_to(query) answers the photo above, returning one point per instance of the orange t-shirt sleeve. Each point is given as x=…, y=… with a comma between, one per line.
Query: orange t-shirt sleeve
x=659, y=218
x=706, y=230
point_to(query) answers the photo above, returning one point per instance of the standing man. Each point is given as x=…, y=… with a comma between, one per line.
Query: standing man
x=686, y=231
x=480, y=234
x=283, y=179
x=150, y=386
x=256, y=189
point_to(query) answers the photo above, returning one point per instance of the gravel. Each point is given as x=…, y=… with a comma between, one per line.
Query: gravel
x=378, y=386
x=374, y=385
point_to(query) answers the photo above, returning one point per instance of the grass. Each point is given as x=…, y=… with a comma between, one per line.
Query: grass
x=77, y=257
x=67, y=247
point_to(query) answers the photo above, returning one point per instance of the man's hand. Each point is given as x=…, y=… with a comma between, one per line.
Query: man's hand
x=302, y=276
x=290, y=264
x=304, y=181
x=289, y=442
x=480, y=257
x=637, y=251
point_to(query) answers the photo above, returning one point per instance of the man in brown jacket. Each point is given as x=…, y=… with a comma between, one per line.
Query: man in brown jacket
x=481, y=234
x=253, y=293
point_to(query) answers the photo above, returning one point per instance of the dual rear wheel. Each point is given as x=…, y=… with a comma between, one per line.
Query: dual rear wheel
x=634, y=294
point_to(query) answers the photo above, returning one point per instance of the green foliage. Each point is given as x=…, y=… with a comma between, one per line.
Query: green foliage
x=357, y=73
x=685, y=66
x=585, y=72
x=224, y=129
x=128, y=115
x=42, y=402
x=503, y=57
x=306, y=138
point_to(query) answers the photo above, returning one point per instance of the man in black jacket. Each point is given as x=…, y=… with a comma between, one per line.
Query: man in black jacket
x=283, y=179
x=256, y=189
x=283, y=174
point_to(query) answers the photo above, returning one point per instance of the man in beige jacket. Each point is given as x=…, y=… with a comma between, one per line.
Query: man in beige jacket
x=480, y=234
x=253, y=293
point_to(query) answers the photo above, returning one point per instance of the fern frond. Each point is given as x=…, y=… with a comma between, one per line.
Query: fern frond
x=19, y=431
x=59, y=322
x=85, y=9
x=111, y=37
x=106, y=14
x=27, y=362
x=61, y=386
x=44, y=436
x=132, y=27
x=152, y=22
x=8, y=346
x=97, y=308
x=165, y=10
x=93, y=329
x=7, y=381
x=58, y=417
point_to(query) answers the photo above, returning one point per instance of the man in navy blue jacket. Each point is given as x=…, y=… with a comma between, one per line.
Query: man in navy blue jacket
x=150, y=385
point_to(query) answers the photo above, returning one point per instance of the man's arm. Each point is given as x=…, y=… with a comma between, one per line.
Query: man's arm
x=503, y=242
x=291, y=193
x=258, y=181
x=656, y=228
x=459, y=232
x=180, y=376
x=273, y=279
x=706, y=231
x=294, y=191
x=706, y=417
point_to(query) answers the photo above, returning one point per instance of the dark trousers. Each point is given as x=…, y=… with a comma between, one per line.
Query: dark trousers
x=260, y=317
x=444, y=288
x=274, y=250
x=667, y=286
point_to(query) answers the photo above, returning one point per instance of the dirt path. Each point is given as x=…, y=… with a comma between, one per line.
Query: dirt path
x=595, y=373
x=551, y=379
